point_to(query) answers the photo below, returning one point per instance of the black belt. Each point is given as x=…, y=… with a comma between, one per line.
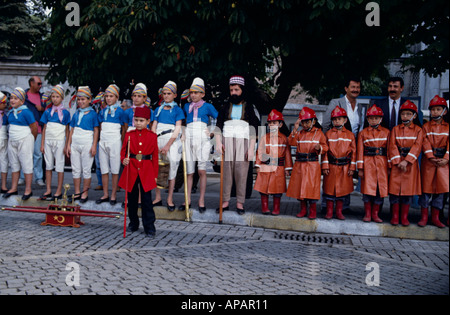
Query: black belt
x=404, y=151
x=439, y=152
x=141, y=157
x=165, y=132
x=306, y=157
x=373, y=151
x=338, y=161
x=275, y=161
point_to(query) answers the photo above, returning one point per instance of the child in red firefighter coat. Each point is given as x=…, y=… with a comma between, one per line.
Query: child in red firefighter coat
x=304, y=184
x=405, y=146
x=435, y=169
x=339, y=164
x=142, y=171
x=273, y=162
x=372, y=163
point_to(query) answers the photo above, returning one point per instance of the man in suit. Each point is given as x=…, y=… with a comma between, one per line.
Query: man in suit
x=391, y=104
x=351, y=106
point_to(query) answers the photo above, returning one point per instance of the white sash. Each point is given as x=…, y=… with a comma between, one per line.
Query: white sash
x=236, y=129
x=55, y=131
x=110, y=132
x=82, y=137
x=17, y=132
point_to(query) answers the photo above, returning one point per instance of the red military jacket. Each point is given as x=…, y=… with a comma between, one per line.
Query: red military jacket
x=272, y=158
x=141, y=142
x=435, y=179
x=341, y=144
x=408, y=183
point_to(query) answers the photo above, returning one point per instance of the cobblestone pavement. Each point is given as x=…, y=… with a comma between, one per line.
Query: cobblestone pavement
x=210, y=259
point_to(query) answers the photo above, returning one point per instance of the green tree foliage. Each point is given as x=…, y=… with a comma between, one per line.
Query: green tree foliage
x=317, y=43
x=19, y=30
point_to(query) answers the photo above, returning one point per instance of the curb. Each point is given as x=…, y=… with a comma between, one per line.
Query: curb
x=282, y=222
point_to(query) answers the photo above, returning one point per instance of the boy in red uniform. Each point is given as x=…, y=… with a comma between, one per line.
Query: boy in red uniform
x=435, y=169
x=372, y=164
x=306, y=174
x=405, y=146
x=273, y=162
x=142, y=171
x=339, y=164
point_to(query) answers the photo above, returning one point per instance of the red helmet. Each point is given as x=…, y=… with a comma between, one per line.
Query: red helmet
x=438, y=101
x=338, y=112
x=375, y=111
x=275, y=116
x=408, y=105
x=307, y=113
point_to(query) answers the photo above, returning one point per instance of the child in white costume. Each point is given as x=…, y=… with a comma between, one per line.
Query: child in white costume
x=23, y=131
x=198, y=145
x=111, y=120
x=53, y=144
x=82, y=143
x=167, y=125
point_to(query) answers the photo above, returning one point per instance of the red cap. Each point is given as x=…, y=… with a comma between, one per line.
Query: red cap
x=338, y=112
x=438, y=101
x=408, y=105
x=307, y=113
x=142, y=112
x=375, y=111
x=275, y=116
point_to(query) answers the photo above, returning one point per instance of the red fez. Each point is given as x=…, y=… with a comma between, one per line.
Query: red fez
x=142, y=112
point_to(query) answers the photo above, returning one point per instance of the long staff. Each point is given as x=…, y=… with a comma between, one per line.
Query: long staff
x=221, y=188
x=186, y=201
x=126, y=192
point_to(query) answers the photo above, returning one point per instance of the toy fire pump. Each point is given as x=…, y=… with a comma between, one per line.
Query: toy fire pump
x=63, y=214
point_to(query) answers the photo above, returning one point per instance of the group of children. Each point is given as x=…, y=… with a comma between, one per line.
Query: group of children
x=386, y=162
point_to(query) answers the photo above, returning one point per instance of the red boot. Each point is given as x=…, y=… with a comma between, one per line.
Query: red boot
x=368, y=211
x=312, y=211
x=395, y=212
x=303, y=209
x=424, y=217
x=404, y=214
x=265, y=204
x=330, y=206
x=435, y=218
x=375, y=211
x=276, y=205
x=339, y=208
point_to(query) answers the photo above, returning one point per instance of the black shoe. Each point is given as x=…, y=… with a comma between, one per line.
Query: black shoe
x=202, y=209
x=223, y=209
x=112, y=202
x=26, y=197
x=7, y=195
x=99, y=201
x=4, y=191
x=132, y=229
x=158, y=204
x=58, y=197
x=183, y=207
x=46, y=197
x=150, y=234
x=84, y=200
x=240, y=211
x=171, y=208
